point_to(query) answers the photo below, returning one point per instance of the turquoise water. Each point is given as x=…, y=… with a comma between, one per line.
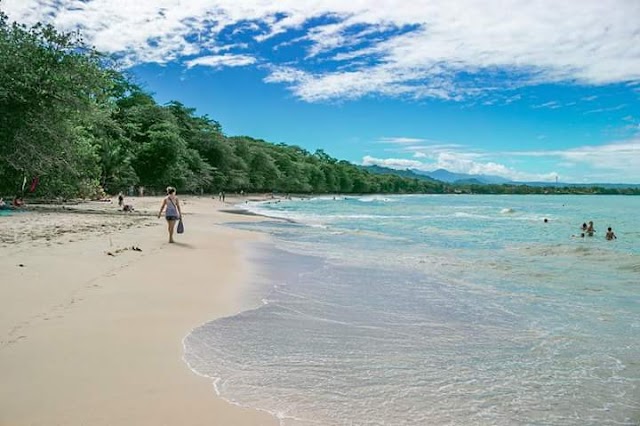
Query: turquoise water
x=443, y=310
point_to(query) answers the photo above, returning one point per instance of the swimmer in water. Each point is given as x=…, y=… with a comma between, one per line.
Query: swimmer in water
x=610, y=235
x=590, y=229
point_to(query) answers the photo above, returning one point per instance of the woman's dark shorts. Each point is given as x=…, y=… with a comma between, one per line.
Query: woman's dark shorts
x=173, y=218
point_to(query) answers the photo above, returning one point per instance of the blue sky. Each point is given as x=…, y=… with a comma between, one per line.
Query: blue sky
x=527, y=90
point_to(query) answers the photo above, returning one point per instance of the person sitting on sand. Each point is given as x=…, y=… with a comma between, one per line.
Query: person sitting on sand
x=173, y=212
x=610, y=235
x=3, y=205
x=590, y=229
x=17, y=201
x=128, y=208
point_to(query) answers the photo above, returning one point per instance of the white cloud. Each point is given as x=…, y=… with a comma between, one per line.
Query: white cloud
x=411, y=49
x=227, y=60
x=286, y=75
x=623, y=157
x=598, y=110
x=392, y=163
x=402, y=140
x=617, y=161
x=459, y=163
x=550, y=105
x=463, y=163
x=424, y=147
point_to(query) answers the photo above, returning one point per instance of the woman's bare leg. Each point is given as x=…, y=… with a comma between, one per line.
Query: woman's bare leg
x=171, y=224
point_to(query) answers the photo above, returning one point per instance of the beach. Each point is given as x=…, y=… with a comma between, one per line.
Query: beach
x=402, y=310
x=95, y=304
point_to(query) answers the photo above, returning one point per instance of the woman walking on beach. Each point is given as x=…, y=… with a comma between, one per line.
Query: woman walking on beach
x=173, y=212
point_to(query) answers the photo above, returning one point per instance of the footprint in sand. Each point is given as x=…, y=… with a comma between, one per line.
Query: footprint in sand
x=120, y=250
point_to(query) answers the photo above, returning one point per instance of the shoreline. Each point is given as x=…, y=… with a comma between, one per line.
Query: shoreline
x=92, y=338
x=246, y=212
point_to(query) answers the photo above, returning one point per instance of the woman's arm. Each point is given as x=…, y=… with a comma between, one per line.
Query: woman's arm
x=164, y=203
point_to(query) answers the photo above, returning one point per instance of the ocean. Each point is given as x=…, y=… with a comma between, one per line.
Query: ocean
x=436, y=310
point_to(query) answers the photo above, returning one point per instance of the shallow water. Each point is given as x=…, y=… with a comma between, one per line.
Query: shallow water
x=448, y=310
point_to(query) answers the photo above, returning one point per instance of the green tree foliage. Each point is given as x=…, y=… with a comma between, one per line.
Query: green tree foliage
x=51, y=86
x=69, y=119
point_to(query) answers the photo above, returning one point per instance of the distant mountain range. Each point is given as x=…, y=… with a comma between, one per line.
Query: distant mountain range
x=451, y=177
x=440, y=175
x=379, y=170
x=443, y=175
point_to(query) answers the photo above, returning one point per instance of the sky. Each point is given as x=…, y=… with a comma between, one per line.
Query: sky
x=529, y=90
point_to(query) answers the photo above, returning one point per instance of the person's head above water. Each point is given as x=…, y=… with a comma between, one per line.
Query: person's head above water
x=171, y=190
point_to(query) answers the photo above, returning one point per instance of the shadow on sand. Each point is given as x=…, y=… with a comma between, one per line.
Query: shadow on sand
x=185, y=245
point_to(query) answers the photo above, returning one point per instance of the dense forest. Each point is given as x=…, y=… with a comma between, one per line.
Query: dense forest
x=71, y=124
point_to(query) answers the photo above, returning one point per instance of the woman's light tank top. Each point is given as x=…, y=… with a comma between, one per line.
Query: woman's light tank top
x=172, y=210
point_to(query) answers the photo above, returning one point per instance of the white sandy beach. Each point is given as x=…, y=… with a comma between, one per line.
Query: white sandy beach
x=92, y=338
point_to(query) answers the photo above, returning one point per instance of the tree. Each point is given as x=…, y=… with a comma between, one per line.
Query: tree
x=51, y=86
x=157, y=162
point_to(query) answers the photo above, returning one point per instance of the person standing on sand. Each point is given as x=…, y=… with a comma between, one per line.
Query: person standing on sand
x=173, y=212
